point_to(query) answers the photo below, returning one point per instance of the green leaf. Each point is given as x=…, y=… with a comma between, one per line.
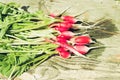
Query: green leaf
x=21, y=39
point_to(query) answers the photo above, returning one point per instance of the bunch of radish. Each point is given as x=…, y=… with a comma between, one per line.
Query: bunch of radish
x=69, y=43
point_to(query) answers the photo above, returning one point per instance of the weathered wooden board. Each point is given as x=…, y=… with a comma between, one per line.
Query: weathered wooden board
x=105, y=65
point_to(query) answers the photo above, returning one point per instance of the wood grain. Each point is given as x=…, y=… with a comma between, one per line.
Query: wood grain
x=106, y=63
x=76, y=68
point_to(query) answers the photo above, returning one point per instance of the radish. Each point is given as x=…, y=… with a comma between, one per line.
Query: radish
x=64, y=54
x=69, y=19
x=67, y=34
x=70, y=48
x=82, y=40
x=60, y=49
x=63, y=26
x=61, y=36
x=61, y=29
x=61, y=39
x=84, y=49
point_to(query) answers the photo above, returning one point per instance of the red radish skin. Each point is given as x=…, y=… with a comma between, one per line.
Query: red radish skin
x=60, y=49
x=67, y=34
x=63, y=26
x=82, y=49
x=61, y=40
x=70, y=48
x=64, y=54
x=62, y=36
x=61, y=29
x=69, y=19
x=82, y=40
x=66, y=24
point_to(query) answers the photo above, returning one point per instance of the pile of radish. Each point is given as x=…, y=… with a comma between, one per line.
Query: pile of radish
x=37, y=37
x=69, y=43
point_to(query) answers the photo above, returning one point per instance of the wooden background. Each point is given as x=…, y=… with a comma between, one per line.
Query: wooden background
x=106, y=63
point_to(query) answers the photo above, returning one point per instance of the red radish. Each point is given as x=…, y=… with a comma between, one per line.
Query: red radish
x=64, y=54
x=82, y=40
x=67, y=34
x=61, y=39
x=61, y=29
x=70, y=48
x=62, y=24
x=61, y=36
x=69, y=19
x=82, y=49
x=60, y=49
x=66, y=24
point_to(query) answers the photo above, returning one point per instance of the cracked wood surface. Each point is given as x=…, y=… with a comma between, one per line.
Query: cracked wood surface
x=105, y=65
